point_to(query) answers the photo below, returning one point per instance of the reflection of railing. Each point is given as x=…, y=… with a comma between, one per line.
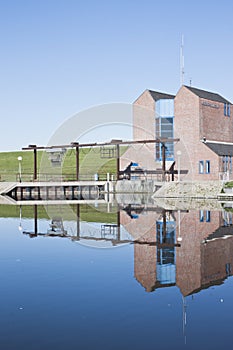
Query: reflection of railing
x=156, y=175
x=28, y=177
x=109, y=230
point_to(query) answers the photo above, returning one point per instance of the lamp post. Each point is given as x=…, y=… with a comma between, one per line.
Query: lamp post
x=20, y=170
x=179, y=238
x=178, y=164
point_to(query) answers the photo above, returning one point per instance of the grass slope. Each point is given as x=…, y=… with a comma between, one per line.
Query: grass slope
x=91, y=162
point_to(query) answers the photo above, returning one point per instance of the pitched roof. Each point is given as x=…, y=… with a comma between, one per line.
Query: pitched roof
x=207, y=95
x=222, y=231
x=220, y=148
x=160, y=95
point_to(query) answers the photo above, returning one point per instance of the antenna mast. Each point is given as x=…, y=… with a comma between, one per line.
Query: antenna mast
x=182, y=61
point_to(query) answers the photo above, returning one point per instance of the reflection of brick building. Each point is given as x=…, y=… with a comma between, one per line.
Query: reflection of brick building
x=203, y=258
x=202, y=120
x=195, y=227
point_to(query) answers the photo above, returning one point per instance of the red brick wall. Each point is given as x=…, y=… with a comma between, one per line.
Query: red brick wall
x=215, y=125
x=188, y=256
x=188, y=124
x=145, y=256
x=144, y=117
x=143, y=129
x=215, y=255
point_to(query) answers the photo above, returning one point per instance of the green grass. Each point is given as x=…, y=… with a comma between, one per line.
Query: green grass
x=91, y=162
x=87, y=212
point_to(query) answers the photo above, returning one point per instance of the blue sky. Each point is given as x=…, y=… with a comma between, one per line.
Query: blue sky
x=60, y=57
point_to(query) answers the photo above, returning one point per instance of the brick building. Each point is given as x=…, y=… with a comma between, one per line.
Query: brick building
x=202, y=120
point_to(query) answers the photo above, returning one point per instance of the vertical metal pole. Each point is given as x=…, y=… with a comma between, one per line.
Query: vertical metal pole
x=77, y=163
x=35, y=164
x=118, y=161
x=35, y=220
x=78, y=221
x=118, y=224
x=164, y=226
x=163, y=160
x=172, y=170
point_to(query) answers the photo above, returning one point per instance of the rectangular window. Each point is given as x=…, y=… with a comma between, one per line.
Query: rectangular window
x=201, y=215
x=225, y=161
x=207, y=216
x=227, y=109
x=164, y=129
x=228, y=269
x=207, y=167
x=201, y=167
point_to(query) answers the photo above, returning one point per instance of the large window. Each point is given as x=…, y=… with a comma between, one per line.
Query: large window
x=164, y=127
x=166, y=254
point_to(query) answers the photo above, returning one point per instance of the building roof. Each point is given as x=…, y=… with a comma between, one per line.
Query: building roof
x=207, y=95
x=220, y=148
x=221, y=232
x=160, y=95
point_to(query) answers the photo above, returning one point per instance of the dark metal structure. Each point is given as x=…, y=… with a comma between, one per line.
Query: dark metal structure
x=113, y=143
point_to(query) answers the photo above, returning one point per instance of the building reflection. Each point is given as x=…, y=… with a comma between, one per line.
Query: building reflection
x=190, y=249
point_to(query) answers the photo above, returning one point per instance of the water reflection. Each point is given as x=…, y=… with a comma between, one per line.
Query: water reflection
x=170, y=259
x=190, y=249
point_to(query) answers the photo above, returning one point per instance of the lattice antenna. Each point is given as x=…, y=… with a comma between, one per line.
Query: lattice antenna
x=182, y=61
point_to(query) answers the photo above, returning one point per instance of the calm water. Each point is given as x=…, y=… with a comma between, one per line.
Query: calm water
x=92, y=278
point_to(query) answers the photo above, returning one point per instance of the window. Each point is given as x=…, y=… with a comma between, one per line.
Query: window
x=227, y=109
x=228, y=269
x=207, y=167
x=204, y=216
x=164, y=129
x=227, y=164
x=204, y=167
x=207, y=216
x=201, y=167
x=166, y=254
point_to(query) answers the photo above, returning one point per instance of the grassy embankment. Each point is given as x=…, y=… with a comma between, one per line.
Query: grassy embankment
x=91, y=162
x=87, y=212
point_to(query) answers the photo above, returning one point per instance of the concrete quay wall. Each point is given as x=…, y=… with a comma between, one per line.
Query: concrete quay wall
x=192, y=189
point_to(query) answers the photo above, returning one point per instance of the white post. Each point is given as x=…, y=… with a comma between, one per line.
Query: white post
x=20, y=170
x=20, y=218
x=179, y=238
